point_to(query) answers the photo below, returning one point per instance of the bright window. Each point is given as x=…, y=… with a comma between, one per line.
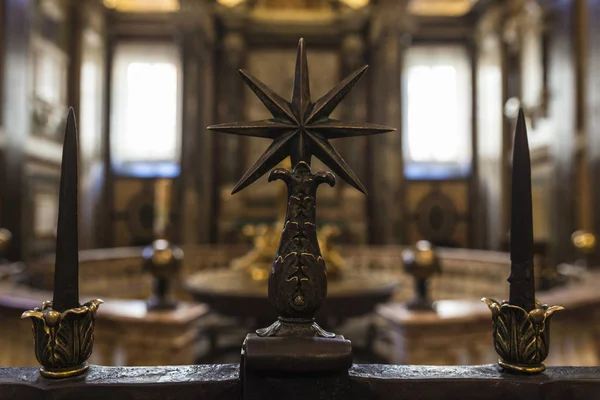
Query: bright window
x=145, y=110
x=437, y=130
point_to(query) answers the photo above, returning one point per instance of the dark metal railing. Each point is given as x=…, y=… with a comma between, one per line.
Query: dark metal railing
x=294, y=358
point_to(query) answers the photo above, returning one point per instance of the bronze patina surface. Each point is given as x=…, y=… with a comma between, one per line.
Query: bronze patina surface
x=521, y=325
x=300, y=129
x=63, y=330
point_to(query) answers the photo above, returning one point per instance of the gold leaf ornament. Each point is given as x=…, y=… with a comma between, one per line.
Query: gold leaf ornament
x=521, y=338
x=63, y=341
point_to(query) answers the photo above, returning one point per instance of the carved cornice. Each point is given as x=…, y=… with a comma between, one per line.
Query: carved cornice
x=141, y=25
x=242, y=19
x=197, y=17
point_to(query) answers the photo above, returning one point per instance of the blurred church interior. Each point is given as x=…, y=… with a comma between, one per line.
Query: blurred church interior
x=145, y=79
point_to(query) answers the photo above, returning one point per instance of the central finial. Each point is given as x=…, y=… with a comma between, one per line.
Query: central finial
x=300, y=128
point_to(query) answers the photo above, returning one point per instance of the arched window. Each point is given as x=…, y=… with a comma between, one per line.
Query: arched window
x=437, y=112
x=145, y=110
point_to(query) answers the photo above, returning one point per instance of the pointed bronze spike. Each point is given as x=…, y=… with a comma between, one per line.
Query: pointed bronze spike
x=522, y=320
x=277, y=152
x=325, y=105
x=522, y=283
x=326, y=153
x=66, y=270
x=334, y=129
x=264, y=129
x=278, y=107
x=301, y=91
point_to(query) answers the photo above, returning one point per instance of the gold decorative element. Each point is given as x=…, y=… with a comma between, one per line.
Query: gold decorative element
x=265, y=238
x=584, y=241
x=356, y=3
x=229, y=3
x=143, y=5
x=163, y=261
x=63, y=340
x=441, y=8
x=162, y=255
x=521, y=338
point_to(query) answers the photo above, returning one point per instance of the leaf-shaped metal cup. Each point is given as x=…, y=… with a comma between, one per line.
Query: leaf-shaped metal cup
x=521, y=338
x=63, y=341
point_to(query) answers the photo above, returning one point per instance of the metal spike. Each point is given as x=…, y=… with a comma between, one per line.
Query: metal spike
x=522, y=287
x=66, y=270
x=521, y=237
x=278, y=107
x=301, y=91
x=326, y=104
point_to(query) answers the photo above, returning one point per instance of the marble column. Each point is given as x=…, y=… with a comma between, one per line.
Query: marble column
x=489, y=224
x=387, y=38
x=16, y=120
x=231, y=106
x=198, y=193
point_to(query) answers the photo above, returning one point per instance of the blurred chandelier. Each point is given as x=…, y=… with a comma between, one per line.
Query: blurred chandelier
x=143, y=5
x=349, y=3
x=257, y=263
x=444, y=8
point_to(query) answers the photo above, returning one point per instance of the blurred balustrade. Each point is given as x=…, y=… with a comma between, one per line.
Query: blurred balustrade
x=181, y=336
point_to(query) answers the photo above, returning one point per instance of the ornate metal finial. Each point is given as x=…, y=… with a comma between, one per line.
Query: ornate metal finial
x=163, y=260
x=422, y=263
x=521, y=325
x=584, y=242
x=299, y=129
x=63, y=329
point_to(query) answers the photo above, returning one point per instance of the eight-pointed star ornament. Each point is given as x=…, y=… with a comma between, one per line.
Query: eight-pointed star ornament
x=300, y=128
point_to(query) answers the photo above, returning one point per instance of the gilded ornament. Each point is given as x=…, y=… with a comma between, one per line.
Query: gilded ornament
x=521, y=338
x=63, y=340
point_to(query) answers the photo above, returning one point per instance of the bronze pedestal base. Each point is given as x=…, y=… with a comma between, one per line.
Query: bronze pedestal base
x=60, y=373
x=295, y=367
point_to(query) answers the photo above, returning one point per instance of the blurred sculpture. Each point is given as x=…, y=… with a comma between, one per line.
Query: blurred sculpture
x=265, y=238
x=163, y=261
x=585, y=244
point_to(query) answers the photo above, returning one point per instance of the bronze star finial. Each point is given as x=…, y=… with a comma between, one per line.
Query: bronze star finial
x=301, y=128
